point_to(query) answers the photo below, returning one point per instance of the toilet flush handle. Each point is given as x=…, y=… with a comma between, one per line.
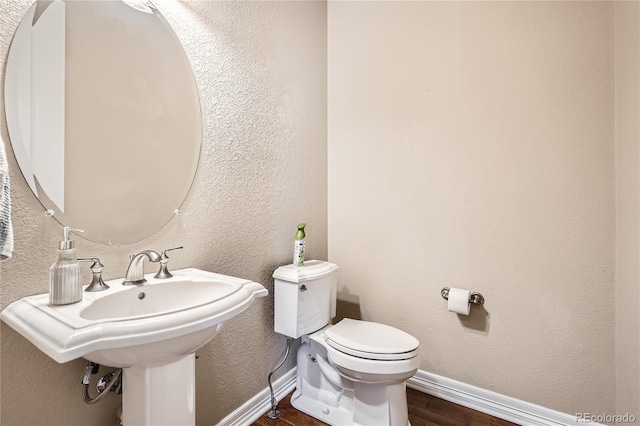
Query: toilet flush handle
x=303, y=288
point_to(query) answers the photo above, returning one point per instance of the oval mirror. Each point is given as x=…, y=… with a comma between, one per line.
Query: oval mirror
x=103, y=115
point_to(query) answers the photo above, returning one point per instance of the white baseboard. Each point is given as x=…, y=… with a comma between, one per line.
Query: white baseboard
x=482, y=400
x=489, y=402
x=253, y=409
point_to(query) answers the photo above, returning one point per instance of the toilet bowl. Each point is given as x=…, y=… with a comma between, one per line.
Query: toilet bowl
x=371, y=348
x=349, y=376
x=350, y=373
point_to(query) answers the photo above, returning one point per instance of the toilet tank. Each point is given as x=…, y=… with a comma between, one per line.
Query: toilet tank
x=305, y=297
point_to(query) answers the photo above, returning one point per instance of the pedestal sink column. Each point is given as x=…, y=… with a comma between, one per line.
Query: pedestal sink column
x=162, y=395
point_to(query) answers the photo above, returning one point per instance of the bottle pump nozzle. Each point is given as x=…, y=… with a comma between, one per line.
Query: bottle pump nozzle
x=68, y=244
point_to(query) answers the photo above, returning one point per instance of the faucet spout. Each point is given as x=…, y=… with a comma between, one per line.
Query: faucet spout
x=135, y=271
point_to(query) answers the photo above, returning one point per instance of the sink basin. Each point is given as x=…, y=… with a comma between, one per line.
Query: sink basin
x=161, y=299
x=151, y=331
x=151, y=324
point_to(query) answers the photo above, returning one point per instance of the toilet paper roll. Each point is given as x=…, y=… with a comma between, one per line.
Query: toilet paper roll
x=459, y=301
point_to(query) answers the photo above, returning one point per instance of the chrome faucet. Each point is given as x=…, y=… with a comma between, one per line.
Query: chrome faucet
x=135, y=271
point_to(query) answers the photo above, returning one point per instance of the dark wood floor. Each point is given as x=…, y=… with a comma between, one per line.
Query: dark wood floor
x=424, y=410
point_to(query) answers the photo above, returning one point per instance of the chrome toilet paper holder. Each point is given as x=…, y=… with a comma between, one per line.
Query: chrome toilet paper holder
x=475, y=297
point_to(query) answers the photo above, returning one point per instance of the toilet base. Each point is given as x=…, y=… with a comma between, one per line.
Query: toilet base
x=328, y=413
x=333, y=415
x=323, y=393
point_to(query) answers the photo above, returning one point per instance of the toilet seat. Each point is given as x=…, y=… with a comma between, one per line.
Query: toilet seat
x=371, y=355
x=364, y=347
x=370, y=340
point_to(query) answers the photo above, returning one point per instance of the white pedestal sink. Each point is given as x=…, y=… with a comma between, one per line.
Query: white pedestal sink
x=151, y=331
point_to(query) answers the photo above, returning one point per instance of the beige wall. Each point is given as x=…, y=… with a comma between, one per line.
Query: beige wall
x=261, y=69
x=471, y=144
x=627, y=67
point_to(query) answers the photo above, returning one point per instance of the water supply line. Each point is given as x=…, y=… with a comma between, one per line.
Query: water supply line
x=92, y=368
x=275, y=413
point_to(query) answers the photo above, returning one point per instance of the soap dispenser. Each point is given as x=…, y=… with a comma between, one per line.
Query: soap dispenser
x=65, y=286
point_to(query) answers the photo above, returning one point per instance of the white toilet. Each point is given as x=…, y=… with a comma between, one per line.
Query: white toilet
x=350, y=373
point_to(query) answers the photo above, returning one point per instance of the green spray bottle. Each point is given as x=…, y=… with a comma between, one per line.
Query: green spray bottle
x=298, y=248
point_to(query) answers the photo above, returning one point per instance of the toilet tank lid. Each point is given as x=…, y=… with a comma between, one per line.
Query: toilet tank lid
x=311, y=270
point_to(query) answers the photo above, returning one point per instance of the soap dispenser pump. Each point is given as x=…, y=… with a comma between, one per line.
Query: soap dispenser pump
x=65, y=286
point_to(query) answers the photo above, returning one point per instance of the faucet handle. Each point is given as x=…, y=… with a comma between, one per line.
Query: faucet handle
x=164, y=259
x=97, y=284
x=164, y=253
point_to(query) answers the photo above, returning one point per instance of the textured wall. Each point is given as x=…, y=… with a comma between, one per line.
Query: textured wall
x=471, y=144
x=261, y=70
x=627, y=69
